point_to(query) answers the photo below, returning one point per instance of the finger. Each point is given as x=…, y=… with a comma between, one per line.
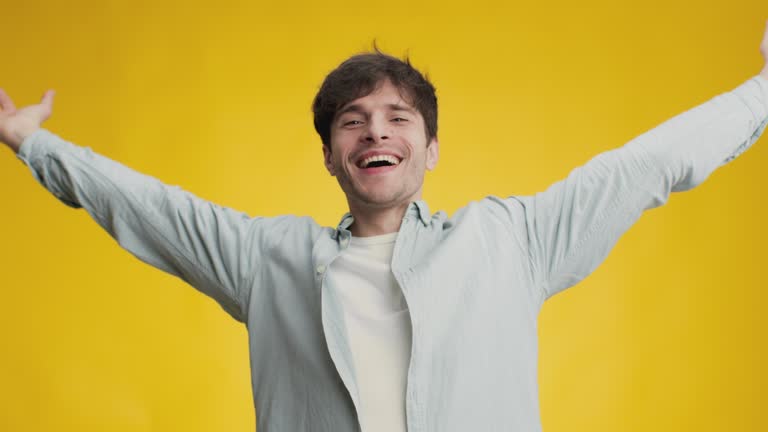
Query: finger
x=6, y=104
x=47, y=104
x=47, y=99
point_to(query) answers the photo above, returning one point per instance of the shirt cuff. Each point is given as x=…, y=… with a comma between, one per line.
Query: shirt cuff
x=38, y=143
x=754, y=93
x=36, y=151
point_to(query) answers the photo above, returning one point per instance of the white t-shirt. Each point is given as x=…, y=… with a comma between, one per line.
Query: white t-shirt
x=379, y=329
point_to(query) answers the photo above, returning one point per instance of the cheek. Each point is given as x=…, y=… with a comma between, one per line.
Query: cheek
x=417, y=145
x=343, y=144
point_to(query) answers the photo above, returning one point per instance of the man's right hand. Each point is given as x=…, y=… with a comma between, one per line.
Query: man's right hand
x=17, y=124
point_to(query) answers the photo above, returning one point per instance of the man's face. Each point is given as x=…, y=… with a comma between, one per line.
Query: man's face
x=379, y=150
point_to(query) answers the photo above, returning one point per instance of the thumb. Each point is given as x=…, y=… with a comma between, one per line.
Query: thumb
x=764, y=43
x=48, y=98
x=47, y=103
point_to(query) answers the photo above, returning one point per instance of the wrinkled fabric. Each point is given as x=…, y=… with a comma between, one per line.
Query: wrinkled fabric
x=474, y=283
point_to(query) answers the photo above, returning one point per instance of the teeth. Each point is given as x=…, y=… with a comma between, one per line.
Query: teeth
x=391, y=159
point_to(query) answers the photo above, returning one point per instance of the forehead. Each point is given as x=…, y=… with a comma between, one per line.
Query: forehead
x=384, y=95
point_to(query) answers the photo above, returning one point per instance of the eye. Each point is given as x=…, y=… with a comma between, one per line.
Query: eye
x=399, y=119
x=353, y=123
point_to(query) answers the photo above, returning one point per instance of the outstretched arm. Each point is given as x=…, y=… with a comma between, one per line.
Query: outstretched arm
x=214, y=249
x=572, y=226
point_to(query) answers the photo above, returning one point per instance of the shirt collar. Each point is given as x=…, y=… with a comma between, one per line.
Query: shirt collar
x=415, y=208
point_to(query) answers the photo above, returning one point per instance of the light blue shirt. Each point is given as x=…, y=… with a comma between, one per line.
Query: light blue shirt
x=474, y=282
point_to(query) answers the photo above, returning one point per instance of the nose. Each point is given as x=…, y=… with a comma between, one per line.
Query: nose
x=376, y=131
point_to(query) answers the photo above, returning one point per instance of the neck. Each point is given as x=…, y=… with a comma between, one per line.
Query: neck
x=376, y=221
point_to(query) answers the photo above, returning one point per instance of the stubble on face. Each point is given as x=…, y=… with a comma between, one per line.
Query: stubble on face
x=382, y=122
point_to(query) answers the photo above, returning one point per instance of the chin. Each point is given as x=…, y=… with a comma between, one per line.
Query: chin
x=380, y=199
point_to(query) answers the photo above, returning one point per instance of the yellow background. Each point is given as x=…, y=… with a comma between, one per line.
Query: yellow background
x=667, y=335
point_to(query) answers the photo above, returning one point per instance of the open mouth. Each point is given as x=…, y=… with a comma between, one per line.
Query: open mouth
x=378, y=161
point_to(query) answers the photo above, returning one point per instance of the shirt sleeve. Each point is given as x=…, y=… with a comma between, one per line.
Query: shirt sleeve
x=208, y=246
x=572, y=226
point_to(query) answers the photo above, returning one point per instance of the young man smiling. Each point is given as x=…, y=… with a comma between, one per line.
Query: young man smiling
x=397, y=319
x=379, y=150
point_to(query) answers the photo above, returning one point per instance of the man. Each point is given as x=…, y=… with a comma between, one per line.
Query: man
x=397, y=319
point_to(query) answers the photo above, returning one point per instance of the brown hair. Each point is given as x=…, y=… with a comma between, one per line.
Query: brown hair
x=360, y=75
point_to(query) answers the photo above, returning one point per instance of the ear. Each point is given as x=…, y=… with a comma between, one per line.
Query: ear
x=433, y=153
x=327, y=160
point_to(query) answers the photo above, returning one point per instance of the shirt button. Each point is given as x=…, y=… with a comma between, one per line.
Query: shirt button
x=320, y=269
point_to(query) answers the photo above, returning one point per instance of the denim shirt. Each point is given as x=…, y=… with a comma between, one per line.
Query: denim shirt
x=474, y=282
